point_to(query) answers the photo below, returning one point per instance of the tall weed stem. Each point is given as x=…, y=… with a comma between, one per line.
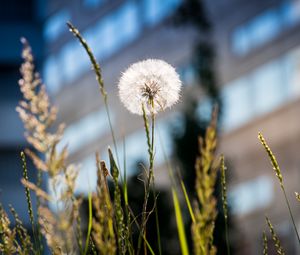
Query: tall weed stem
x=99, y=79
x=279, y=177
x=224, y=201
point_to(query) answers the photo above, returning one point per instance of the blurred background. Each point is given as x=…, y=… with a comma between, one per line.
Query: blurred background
x=243, y=55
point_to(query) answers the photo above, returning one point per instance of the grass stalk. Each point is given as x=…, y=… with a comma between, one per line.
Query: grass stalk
x=279, y=177
x=38, y=203
x=98, y=73
x=29, y=203
x=120, y=226
x=127, y=213
x=89, y=224
x=224, y=201
x=265, y=244
x=139, y=228
x=275, y=238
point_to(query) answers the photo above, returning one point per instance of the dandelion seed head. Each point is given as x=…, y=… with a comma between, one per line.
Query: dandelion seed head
x=151, y=83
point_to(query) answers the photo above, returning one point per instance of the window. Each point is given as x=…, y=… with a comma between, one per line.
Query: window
x=241, y=42
x=268, y=87
x=73, y=61
x=95, y=38
x=55, y=25
x=261, y=91
x=292, y=73
x=128, y=23
x=52, y=74
x=85, y=130
x=157, y=10
x=237, y=98
x=264, y=28
x=290, y=12
x=251, y=195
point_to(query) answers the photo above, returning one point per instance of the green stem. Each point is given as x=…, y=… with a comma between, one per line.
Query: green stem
x=150, y=143
x=226, y=236
x=112, y=131
x=38, y=203
x=89, y=225
x=290, y=211
x=154, y=191
x=29, y=203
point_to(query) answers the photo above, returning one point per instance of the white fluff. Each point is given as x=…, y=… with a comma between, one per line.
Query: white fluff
x=146, y=81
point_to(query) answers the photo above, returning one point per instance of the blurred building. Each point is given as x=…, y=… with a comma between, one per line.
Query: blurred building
x=17, y=19
x=258, y=56
x=258, y=49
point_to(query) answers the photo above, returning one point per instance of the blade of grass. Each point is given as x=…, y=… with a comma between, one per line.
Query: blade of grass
x=180, y=224
x=187, y=200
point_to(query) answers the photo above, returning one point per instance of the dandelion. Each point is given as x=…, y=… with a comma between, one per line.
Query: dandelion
x=151, y=83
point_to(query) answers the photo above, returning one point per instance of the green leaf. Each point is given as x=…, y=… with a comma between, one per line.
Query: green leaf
x=180, y=224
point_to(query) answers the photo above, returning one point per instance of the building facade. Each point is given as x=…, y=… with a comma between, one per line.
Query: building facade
x=258, y=48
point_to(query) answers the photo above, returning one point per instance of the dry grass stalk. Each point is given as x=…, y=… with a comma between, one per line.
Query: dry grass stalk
x=38, y=116
x=272, y=159
x=280, y=178
x=275, y=238
x=103, y=222
x=297, y=196
x=122, y=237
x=205, y=206
x=265, y=244
x=22, y=234
x=8, y=245
x=224, y=200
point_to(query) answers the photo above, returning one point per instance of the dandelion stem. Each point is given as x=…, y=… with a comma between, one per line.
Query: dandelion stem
x=150, y=180
x=154, y=191
x=147, y=188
